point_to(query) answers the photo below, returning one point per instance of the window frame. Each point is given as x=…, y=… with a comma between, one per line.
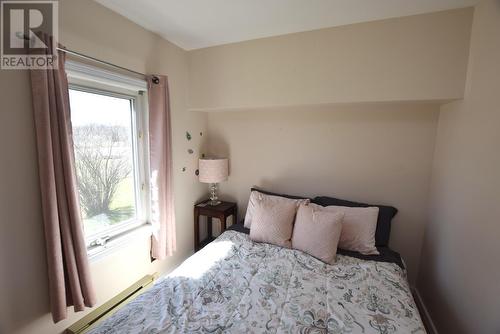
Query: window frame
x=88, y=79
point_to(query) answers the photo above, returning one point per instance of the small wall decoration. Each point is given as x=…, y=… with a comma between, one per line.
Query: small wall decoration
x=191, y=151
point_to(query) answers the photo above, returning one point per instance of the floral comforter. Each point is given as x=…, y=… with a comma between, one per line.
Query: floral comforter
x=234, y=285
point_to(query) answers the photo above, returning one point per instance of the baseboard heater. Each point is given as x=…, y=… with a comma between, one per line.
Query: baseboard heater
x=107, y=309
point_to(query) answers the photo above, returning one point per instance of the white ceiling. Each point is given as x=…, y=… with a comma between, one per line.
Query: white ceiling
x=193, y=24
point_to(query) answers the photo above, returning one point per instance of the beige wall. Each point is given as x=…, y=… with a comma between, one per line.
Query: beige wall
x=379, y=153
x=459, y=273
x=91, y=29
x=420, y=57
x=367, y=152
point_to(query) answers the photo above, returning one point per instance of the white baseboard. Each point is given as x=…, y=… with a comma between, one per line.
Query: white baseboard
x=426, y=317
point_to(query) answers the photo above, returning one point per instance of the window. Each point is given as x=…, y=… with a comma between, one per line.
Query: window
x=110, y=159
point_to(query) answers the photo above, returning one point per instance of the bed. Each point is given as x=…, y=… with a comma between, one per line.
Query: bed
x=235, y=285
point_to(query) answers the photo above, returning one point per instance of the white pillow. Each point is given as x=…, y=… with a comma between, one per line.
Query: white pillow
x=358, y=228
x=258, y=196
x=317, y=232
x=273, y=222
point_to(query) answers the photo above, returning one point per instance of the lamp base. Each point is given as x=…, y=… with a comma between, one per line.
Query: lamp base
x=214, y=203
x=214, y=200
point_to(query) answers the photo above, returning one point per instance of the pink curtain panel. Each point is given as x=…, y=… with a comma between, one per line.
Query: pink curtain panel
x=160, y=146
x=68, y=267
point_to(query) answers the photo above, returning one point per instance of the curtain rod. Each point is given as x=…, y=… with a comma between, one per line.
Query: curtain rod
x=78, y=54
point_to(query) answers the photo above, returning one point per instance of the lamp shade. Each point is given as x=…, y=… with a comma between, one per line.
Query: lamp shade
x=213, y=170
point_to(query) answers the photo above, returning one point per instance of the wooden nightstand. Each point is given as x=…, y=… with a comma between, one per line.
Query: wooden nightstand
x=221, y=212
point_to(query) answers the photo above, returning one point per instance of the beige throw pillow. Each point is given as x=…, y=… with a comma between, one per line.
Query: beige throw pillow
x=258, y=196
x=273, y=222
x=358, y=228
x=317, y=232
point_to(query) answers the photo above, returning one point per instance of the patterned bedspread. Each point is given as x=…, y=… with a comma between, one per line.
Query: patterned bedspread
x=234, y=285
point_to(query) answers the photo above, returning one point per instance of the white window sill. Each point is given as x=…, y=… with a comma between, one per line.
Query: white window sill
x=96, y=253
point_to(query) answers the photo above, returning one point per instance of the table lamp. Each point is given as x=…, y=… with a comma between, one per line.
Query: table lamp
x=213, y=171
